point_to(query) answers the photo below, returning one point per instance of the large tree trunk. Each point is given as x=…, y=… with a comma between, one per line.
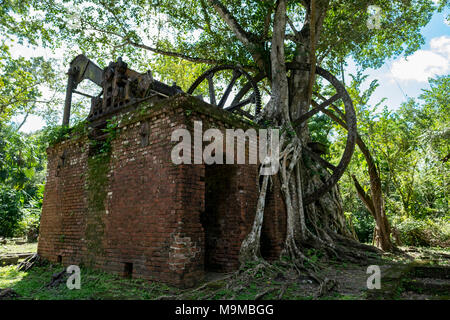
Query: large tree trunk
x=321, y=224
x=382, y=228
x=374, y=202
x=381, y=234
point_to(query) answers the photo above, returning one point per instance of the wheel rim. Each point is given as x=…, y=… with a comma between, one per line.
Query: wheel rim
x=237, y=104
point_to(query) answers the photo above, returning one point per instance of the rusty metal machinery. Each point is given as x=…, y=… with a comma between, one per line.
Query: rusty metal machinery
x=123, y=87
x=120, y=85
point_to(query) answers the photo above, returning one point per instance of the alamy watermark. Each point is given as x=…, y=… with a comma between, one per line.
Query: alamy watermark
x=374, y=281
x=263, y=145
x=74, y=280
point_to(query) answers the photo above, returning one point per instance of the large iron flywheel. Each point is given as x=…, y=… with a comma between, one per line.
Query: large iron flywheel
x=247, y=105
x=249, y=96
x=350, y=120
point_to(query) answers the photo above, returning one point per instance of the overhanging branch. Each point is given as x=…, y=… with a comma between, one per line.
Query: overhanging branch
x=156, y=50
x=176, y=54
x=248, y=39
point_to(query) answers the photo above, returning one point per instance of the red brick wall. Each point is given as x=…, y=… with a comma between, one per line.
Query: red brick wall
x=147, y=211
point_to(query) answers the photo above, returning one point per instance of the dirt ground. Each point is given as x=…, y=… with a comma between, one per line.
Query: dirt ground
x=410, y=274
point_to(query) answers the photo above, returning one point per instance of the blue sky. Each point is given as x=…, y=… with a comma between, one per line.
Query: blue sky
x=402, y=78
x=399, y=79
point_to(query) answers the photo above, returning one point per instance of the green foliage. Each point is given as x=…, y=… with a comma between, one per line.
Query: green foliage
x=400, y=30
x=426, y=232
x=174, y=70
x=95, y=285
x=58, y=133
x=408, y=146
x=320, y=127
x=111, y=131
x=22, y=174
x=29, y=227
x=364, y=224
x=10, y=213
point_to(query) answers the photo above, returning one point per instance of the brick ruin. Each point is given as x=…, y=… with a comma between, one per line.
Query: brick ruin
x=131, y=211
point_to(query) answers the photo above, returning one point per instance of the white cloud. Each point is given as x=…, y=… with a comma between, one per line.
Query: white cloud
x=425, y=63
x=441, y=45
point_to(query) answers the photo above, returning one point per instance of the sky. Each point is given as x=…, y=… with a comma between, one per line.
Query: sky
x=405, y=78
x=399, y=79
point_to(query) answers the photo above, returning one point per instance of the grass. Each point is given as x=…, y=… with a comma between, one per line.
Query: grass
x=99, y=285
x=11, y=247
x=94, y=285
x=432, y=255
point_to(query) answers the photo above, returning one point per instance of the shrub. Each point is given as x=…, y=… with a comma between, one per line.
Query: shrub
x=364, y=225
x=424, y=232
x=10, y=213
x=29, y=227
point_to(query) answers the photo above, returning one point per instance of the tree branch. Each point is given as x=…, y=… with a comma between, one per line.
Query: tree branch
x=156, y=50
x=206, y=16
x=312, y=52
x=280, y=94
x=176, y=54
x=231, y=21
x=267, y=21
x=247, y=39
x=297, y=34
x=23, y=122
x=365, y=198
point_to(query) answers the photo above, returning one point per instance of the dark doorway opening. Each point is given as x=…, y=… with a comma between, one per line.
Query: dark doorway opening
x=218, y=194
x=128, y=270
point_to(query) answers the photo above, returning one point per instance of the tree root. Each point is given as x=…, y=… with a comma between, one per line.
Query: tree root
x=283, y=290
x=326, y=286
x=262, y=294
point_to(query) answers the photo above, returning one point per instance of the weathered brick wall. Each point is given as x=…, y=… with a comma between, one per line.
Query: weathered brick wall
x=62, y=221
x=134, y=208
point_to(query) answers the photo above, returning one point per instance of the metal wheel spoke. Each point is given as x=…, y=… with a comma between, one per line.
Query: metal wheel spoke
x=247, y=87
x=212, y=94
x=334, y=107
x=241, y=104
x=245, y=113
x=317, y=109
x=250, y=85
x=322, y=162
x=236, y=75
x=349, y=118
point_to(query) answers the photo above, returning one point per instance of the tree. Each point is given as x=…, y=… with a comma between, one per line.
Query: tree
x=22, y=176
x=373, y=200
x=264, y=37
x=408, y=146
x=422, y=127
x=19, y=84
